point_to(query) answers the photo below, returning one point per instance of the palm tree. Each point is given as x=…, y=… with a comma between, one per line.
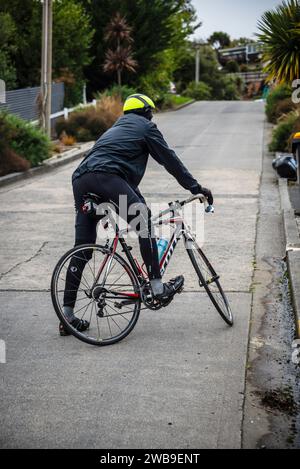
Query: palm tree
x=119, y=60
x=219, y=40
x=280, y=35
x=118, y=32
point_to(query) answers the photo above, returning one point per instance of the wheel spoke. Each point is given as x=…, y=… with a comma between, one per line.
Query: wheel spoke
x=207, y=275
x=109, y=326
x=125, y=306
x=97, y=319
x=118, y=314
x=94, y=263
x=87, y=261
x=75, y=312
x=118, y=278
x=85, y=311
x=115, y=323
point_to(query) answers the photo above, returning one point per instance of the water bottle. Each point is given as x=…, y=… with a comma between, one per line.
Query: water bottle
x=162, y=246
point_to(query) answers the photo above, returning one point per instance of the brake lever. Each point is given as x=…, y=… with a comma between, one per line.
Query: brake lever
x=210, y=209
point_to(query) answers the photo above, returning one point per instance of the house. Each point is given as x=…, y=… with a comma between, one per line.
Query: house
x=241, y=54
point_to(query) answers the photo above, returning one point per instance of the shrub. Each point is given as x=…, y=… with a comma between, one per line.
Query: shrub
x=283, y=107
x=172, y=101
x=90, y=123
x=111, y=108
x=231, y=92
x=217, y=86
x=122, y=91
x=83, y=125
x=230, y=88
x=278, y=94
x=32, y=144
x=10, y=162
x=24, y=139
x=199, y=91
x=155, y=84
x=77, y=119
x=67, y=140
x=84, y=135
x=232, y=66
x=244, y=68
x=282, y=133
x=296, y=128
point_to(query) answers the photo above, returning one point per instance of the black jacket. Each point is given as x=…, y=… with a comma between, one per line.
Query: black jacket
x=124, y=150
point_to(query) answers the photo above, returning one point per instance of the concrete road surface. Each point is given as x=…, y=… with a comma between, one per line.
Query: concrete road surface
x=178, y=380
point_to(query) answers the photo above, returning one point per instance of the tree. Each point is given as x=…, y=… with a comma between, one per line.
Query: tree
x=7, y=48
x=160, y=30
x=72, y=34
x=157, y=27
x=280, y=35
x=119, y=33
x=118, y=30
x=72, y=37
x=232, y=66
x=26, y=40
x=242, y=41
x=219, y=40
x=220, y=85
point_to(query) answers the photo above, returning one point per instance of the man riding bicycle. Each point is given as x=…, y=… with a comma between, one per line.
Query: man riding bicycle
x=114, y=167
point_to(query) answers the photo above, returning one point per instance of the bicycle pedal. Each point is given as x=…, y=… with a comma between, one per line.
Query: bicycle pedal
x=180, y=290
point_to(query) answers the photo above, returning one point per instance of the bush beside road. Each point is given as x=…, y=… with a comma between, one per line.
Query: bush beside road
x=22, y=145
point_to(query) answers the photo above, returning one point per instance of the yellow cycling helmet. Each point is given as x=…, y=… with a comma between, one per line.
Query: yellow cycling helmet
x=138, y=102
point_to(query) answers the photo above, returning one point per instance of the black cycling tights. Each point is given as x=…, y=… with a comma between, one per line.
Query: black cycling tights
x=109, y=187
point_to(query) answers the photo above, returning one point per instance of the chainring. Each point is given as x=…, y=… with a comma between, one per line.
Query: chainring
x=150, y=302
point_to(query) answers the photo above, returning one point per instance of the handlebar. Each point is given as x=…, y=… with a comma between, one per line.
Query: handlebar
x=179, y=204
x=202, y=199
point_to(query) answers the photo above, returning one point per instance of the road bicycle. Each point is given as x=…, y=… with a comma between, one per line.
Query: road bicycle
x=112, y=289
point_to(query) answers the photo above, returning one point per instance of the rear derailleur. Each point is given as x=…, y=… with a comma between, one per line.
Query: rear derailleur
x=98, y=294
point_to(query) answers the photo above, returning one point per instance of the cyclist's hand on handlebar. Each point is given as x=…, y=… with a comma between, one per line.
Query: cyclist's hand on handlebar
x=206, y=192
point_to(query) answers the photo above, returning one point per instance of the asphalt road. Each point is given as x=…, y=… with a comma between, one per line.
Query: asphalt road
x=178, y=380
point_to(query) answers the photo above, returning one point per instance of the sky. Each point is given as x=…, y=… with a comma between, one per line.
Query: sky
x=236, y=17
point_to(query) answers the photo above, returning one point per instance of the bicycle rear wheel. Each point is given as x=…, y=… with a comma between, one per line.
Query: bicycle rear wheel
x=108, y=297
x=209, y=279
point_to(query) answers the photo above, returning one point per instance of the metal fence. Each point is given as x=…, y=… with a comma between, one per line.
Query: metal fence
x=24, y=102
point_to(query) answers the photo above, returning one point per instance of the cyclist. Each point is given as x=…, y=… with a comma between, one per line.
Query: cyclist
x=115, y=167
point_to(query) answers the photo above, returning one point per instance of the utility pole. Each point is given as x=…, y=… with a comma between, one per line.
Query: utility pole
x=197, y=65
x=46, y=67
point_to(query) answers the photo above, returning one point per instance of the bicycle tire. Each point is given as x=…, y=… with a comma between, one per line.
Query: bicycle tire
x=225, y=312
x=58, y=309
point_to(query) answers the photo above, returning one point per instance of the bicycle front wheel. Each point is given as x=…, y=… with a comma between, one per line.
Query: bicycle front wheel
x=209, y=279
x=101, y=288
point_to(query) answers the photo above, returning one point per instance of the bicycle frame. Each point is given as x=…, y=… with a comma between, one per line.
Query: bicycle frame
x=181, y=229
